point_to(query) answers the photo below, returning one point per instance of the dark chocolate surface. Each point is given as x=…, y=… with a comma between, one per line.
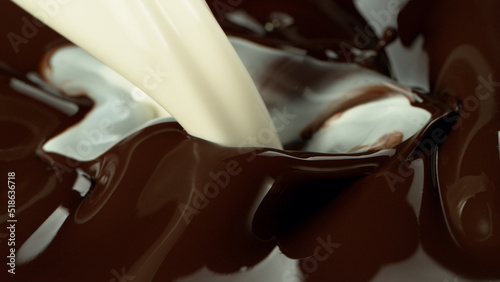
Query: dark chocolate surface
x=165, y=205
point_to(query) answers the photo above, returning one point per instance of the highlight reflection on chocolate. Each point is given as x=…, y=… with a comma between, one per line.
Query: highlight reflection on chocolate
x=162, y=205
x=467, y=168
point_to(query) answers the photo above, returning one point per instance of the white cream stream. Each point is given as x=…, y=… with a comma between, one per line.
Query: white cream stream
x=293, y=100
x=176, y=52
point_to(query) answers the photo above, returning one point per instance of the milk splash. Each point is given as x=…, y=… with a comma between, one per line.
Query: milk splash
x=176, y=52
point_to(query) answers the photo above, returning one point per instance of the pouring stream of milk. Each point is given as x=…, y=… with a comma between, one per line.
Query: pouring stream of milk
x=176, y=52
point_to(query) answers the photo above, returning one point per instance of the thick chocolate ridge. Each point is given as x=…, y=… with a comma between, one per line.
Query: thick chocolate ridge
x=149, y=187
x=464, y=62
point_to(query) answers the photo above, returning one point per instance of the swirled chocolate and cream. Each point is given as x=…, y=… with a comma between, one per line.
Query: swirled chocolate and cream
x=376, y=182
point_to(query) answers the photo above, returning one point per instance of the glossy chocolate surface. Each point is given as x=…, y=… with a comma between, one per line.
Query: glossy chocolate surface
x=465, y=65
x=167, y=206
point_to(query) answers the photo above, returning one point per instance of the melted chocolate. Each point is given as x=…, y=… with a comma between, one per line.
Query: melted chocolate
x=340, y=24
x=165, y=205
x=463, y=64
x=351, y=99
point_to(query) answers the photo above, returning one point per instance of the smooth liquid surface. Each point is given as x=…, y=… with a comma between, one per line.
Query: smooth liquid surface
x=394, y=231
